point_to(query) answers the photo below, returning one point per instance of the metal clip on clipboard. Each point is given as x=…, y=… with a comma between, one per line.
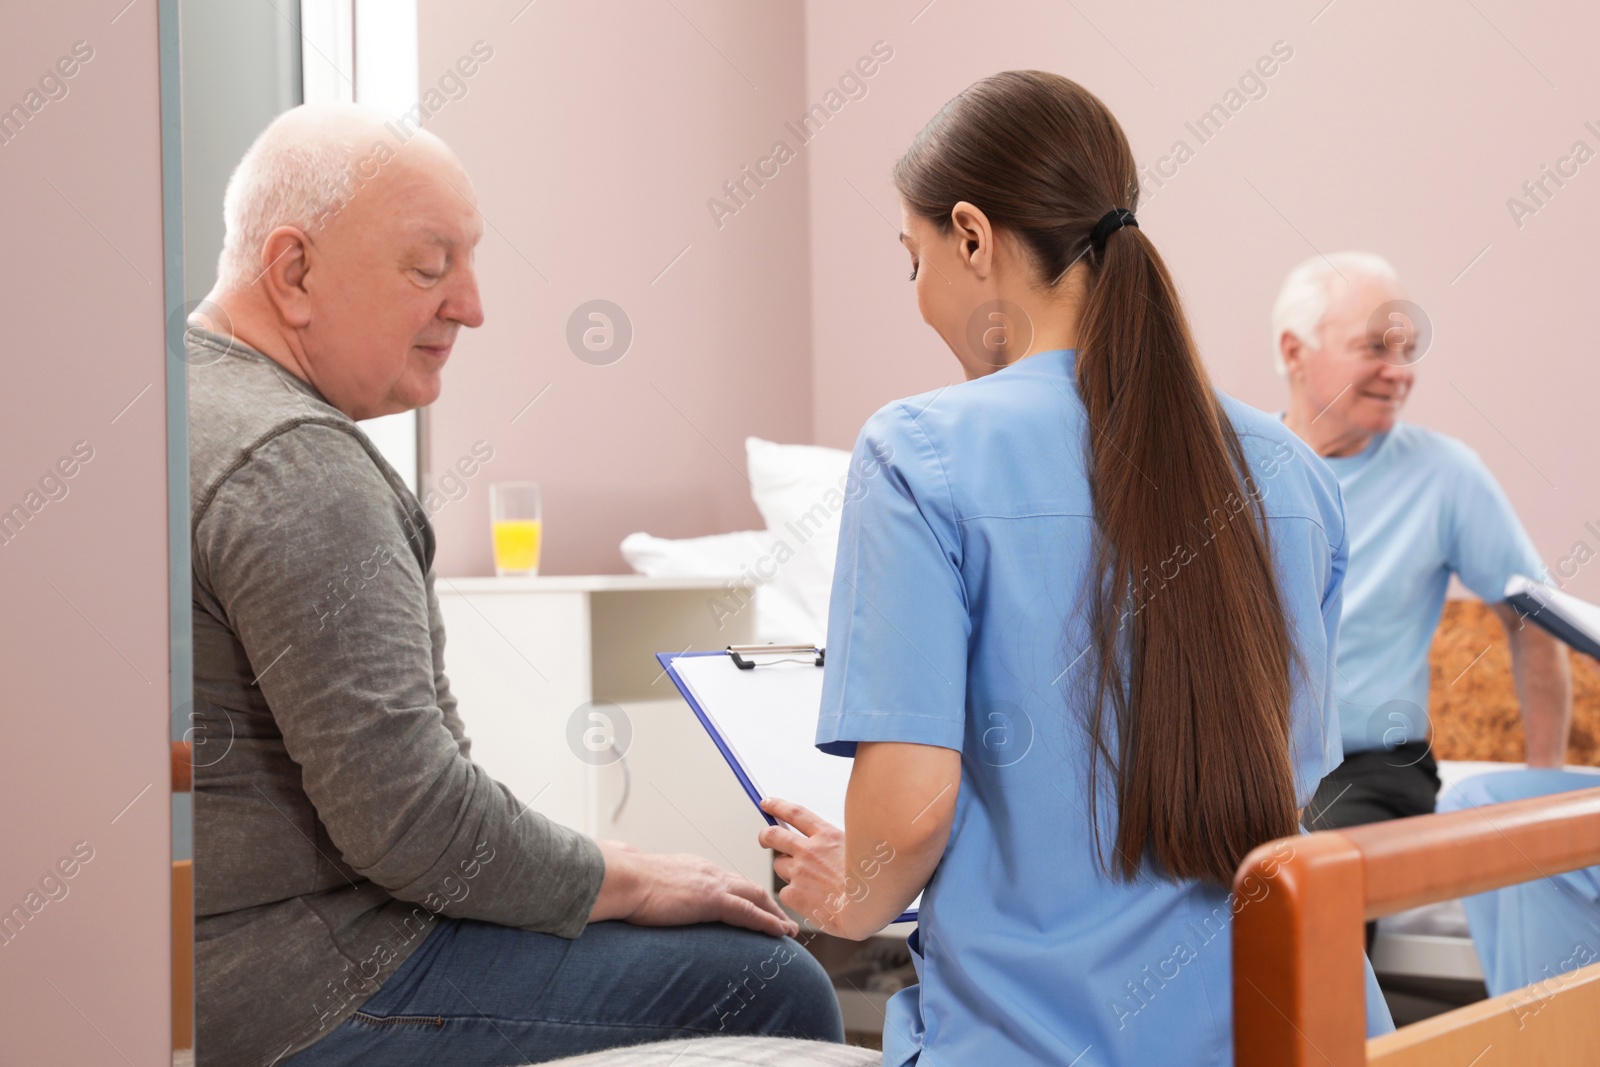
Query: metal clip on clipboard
x=752, y=650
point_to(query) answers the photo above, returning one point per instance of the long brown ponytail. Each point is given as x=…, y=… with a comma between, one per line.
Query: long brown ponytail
x=1189, y=699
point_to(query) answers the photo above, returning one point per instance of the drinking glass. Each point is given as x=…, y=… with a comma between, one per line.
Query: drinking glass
x=517, y=527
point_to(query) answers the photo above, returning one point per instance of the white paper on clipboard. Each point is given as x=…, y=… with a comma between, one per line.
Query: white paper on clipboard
x=765, y=720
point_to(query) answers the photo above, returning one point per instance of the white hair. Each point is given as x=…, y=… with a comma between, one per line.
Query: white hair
x=1309, y=289
x=299, y=172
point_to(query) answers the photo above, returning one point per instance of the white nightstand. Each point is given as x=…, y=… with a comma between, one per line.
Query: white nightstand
x=532, y=659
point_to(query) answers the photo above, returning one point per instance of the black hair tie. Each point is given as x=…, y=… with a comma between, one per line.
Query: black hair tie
x=1110, y=223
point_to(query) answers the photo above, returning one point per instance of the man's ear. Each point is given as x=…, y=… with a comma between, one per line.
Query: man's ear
x=1293, y=351
x=286, y=262
x=970, y=226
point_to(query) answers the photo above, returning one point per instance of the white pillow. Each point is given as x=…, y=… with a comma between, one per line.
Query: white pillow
x=799, y=490
x=748, y=555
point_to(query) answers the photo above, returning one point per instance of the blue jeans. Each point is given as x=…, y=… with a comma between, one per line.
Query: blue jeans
x=476, y=994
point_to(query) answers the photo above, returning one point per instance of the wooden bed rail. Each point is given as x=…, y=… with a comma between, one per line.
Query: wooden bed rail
x=182, y=914
x=1298, y=937
x=182, y=766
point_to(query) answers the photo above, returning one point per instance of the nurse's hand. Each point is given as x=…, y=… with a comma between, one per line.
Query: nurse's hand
x=811, y=858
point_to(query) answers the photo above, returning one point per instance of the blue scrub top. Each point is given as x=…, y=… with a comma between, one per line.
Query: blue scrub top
x=963, y=550
x=1420, y=507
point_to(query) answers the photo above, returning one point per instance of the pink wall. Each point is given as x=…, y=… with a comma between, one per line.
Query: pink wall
x=598, y=132
x=594, y=136
x=83, y=630
x=1398, y=128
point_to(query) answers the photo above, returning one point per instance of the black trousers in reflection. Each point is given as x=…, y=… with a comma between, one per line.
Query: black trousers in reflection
x=1368, y=787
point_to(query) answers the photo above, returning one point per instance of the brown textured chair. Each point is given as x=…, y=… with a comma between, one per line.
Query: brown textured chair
x=1297, y=982
x=1473, y=701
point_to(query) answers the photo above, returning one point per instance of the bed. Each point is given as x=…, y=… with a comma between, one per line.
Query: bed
x=1298, y=989
x=1428, y=948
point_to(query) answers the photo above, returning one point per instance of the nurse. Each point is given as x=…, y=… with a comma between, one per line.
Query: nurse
x=1082, y=625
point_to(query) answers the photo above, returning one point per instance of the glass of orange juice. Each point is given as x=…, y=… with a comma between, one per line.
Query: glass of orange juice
x=518, y=527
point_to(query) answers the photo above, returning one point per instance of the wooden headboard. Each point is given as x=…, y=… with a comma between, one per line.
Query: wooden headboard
x=1473, y=703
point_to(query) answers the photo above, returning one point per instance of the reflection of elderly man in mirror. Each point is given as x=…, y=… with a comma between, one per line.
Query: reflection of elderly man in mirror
x=1420, y=507
x=365, y=892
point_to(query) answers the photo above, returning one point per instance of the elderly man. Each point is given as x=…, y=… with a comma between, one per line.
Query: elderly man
x=364, y=891
x=1420, y=507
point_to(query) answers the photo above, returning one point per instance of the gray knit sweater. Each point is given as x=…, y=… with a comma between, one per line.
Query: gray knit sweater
x=336, y=806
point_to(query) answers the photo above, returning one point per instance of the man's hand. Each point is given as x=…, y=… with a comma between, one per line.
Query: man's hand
x=650, y=889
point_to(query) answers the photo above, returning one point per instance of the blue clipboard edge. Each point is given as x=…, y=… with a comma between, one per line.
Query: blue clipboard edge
x=665, y=659
x=1547, y=617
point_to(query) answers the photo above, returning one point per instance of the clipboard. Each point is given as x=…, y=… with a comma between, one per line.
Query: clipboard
x=761, y=713
x=1563, y=616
